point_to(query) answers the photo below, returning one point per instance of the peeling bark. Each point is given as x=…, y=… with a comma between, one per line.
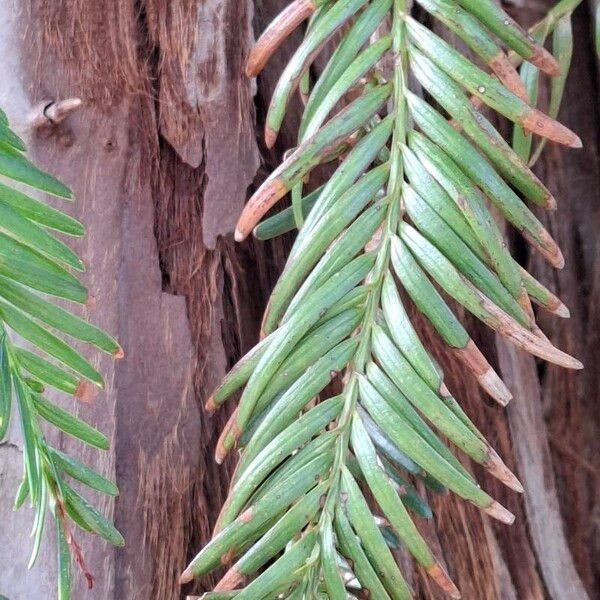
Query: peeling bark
x=161, y=157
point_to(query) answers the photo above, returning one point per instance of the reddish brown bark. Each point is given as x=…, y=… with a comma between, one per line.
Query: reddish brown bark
x=161, y=158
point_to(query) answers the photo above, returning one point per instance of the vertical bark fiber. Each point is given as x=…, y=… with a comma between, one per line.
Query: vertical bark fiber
x=161, y=158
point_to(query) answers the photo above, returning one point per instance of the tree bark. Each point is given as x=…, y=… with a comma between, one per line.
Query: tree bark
x=161, y=158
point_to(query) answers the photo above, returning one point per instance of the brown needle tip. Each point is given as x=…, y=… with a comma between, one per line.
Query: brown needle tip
x=220, y=454
x=186, y=576
x=495, y=387
x=558, y=261
x=562, y=311
x=270, y=137
x=85, y=392
x=499, y=470
x=210, y=406
x=545, y=61
x=230, y=581
x=498, y=512
x=439, y=575
x=577, y=143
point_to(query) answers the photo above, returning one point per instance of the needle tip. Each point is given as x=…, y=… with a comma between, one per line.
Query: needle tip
x=210, y=406
x=562, y=311
x=439, y=575
x=186, y=576
x=270, y=137
x=496, y=387
x=498, y=469
x=498, y=512
x=230, y=581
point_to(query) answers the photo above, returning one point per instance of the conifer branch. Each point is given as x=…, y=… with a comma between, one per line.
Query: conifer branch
x=36, y=267
x=322, y=488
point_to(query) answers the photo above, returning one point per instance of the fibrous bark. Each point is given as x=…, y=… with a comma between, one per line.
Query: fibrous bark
x=161, y=157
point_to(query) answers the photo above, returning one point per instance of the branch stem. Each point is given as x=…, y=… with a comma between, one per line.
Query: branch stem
x=395, y=210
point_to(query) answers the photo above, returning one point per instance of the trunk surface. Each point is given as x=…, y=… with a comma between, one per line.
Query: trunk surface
x=161, y=158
